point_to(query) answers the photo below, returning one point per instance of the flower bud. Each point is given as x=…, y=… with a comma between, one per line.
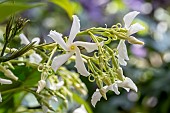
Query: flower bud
x=107, y=80
x=120, y=74
x=103, y=93
x=5, y=81
x=134, y=40
x=41, y=85
x=8, y=73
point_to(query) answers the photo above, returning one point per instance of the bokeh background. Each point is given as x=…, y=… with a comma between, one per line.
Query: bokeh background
x=149, y=65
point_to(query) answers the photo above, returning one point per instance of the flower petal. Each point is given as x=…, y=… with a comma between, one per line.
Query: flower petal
x=122, y=61
x=128, y=83
x=36, y=40
x=24, y=39
x=81, y=109
x=5, y=81
x=57, y=37
x=35, y=58
x=135, y=28
x=114, y=88
x=74, y=30
x=60, y=60
x=41, y=85
x=80, y=64
x=90, y=47
x=128, y=18
x=122, y=50
x=95, y=97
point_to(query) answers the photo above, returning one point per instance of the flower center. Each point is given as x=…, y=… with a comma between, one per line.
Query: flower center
x=72, y=48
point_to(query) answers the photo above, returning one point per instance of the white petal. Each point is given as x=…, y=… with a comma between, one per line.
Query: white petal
x=60, y=60
x=135, y=28
x=114, y=88
x=74, y=30
x=57, y=37
x=80, y=64
x=81, y=109
x=5, y=81
x=35, y=58
x=88, y=46
x=59, y=85
x=128, y=18
x=41, y=85
x=122, y=61
x=95, y=97
x=122, y=50
x=128, y=83
x=36, y=40
x=24, y=39
x=0, y=97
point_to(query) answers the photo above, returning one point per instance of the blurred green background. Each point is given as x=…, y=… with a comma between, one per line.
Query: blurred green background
x=149, y=65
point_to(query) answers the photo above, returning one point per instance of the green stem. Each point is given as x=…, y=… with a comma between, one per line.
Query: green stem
x=52, y=53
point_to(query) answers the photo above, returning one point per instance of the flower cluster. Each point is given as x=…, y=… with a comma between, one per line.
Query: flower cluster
x=102, y=66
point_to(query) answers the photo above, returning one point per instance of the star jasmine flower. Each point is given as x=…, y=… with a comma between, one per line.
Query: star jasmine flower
x=97, y=94
x=71, y=48
x=34, y=57
x=81, y=109
x=122, y=50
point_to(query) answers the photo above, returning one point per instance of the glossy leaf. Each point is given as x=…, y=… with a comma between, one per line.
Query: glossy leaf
x=6, y=9
x=66, y=5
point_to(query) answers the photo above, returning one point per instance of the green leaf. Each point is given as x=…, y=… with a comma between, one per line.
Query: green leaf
x=6, y=9
x=66, y=5
x=79, y=100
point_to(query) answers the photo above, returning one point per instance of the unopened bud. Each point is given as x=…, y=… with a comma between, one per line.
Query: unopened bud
x=120, y=74
x=134, y=40
x=5, y=81
x=107, y=81
x=41, y=85
x=103, y=93
x=8, y=73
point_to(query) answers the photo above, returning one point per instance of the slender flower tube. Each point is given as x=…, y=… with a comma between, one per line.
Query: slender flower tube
x=71, y=48
x=134, y=28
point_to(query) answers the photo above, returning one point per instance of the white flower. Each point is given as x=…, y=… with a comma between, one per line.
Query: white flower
x=5, y=81
x=34, y=57
x=122, y=51
x=41, y=85
x=54, y=86
x=127, y=84
x=81, y=109
x=97, y=95
x=71, y=48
